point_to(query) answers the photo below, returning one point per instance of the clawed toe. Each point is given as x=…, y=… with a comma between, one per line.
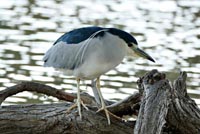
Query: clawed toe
x=84, y=105
x=108, y=113
x=71, y=107
x=79, y=108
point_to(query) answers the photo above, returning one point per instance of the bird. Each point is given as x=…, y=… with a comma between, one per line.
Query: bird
x=89, y=52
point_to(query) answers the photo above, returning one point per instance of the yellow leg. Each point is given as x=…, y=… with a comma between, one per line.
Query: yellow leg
x=103, y=106
x=78, y=101
x=79, y=98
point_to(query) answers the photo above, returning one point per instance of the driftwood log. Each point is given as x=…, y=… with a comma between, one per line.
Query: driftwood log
x=160, y=107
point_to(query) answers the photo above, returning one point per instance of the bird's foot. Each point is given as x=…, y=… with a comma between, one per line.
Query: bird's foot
x=71, y=107
x=84, y=105
x=108, y=113
x=79, y=108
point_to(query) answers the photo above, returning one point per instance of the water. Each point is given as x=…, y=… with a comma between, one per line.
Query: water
x=168, y=30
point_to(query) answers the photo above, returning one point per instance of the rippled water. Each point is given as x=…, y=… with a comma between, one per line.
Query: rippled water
x=167, y=30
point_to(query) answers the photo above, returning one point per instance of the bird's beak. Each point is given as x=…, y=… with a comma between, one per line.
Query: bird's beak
x=143, y=54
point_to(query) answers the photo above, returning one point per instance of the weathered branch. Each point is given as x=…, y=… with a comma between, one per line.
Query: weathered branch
x=17, y=119
x=35, y=87
x=183, y=112
x=154, y=107
x=54, y=119
x=166, y=109
x=44, y=89
x=121, y=108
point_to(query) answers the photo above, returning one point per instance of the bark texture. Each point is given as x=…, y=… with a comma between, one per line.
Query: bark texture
x=54, y=119
x=183, y=114
x=154, y=107
x=166, y=108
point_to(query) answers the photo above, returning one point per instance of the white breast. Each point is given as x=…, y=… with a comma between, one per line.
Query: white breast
x=102, y=54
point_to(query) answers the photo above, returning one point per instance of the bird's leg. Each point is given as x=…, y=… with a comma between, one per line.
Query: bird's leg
x=79, y=98
x=79, y=102
x=95, y=92
x=103, y=106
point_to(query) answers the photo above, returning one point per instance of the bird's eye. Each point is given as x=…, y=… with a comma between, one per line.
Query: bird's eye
x=130, y=44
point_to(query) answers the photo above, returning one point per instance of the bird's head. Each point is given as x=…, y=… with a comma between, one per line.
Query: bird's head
x=131, y=42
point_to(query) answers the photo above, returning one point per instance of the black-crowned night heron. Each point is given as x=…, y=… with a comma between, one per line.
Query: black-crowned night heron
x=89, y=52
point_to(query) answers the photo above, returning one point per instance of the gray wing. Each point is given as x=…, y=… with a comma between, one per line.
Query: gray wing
x=70, y=56
x=64, y=56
